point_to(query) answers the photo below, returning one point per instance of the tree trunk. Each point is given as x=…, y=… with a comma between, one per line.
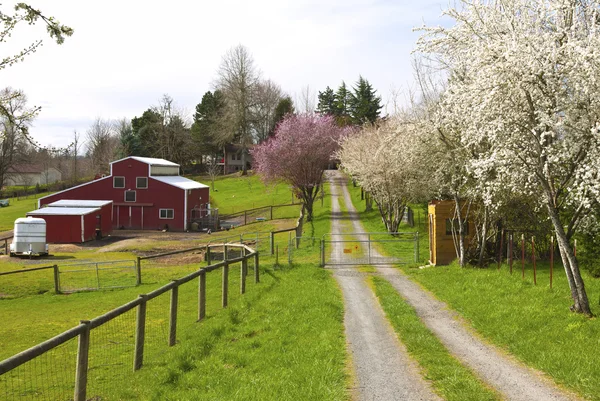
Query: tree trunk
x=461, y=232
x=580, y=300
x=483, y=237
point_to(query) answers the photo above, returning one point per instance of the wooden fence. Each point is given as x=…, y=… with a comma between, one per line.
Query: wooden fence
x=83, y=330
x=5, y=239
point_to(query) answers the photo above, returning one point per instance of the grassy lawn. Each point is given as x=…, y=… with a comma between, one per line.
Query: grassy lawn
x=283, y=339
x=17, y=208
x=235, y=193
x=533, y=322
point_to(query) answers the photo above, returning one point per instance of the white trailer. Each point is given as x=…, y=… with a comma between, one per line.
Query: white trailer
x=29, y=237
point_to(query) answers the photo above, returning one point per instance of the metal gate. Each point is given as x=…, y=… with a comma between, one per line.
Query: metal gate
x=97, y=275
x=368, y=248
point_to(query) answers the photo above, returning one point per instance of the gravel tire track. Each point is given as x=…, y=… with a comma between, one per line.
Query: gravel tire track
x=382, y=367
x=512, y=379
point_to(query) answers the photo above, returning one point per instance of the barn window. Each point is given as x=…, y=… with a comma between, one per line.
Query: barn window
x=129, y=196
x=118, y=182
x=141, y=182
x=166, y=213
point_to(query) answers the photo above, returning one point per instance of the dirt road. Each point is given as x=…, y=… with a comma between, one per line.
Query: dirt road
x=510, y=378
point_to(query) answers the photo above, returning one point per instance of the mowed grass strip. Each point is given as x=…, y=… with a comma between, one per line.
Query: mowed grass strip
x=449, y=377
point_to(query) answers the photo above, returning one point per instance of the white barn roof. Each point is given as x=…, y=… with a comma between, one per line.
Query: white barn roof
x=63, y=211
x=79, y=203
x=150, y=160
x=180, y=182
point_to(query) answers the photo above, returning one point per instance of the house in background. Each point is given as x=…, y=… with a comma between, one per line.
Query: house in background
x=147, y=194
x=232, y=158
x=32, y=174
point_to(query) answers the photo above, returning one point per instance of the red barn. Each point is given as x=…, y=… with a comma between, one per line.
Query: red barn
x=147, y=193
x=68, y=224
x=104, y=217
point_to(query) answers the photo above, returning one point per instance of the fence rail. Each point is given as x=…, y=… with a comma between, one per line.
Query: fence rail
x=85, y=329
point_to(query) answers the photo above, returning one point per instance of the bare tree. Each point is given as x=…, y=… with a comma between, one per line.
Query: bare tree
x=306, y=100
x=101, y=144
x=214, y=169
x=238, y=79
x=15, y=119
x=268, y=96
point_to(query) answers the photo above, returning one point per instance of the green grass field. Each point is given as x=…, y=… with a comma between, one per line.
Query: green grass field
x=17, y=208
x=234, y=193
x=533, y=322
x=283, y=339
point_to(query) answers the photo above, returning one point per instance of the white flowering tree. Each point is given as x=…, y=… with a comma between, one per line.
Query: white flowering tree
x=384, y=160
x=526, y=77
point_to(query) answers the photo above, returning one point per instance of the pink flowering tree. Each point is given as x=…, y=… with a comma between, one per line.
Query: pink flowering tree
x=299, y=153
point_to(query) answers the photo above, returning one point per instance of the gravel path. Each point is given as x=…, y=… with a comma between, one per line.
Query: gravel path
x=383, y=370
x=504, y=373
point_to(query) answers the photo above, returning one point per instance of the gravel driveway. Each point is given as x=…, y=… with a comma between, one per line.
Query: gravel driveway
x=509, y=377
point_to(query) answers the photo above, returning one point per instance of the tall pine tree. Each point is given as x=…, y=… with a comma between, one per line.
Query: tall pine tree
x=326, y=104
x=365, y=105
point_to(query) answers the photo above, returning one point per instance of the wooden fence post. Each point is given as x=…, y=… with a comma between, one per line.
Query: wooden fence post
x=551, y=259
x=256, y=273
x=533, y=258
x=138, y=271
x=140, y=334
x=173, y=316
x=207, y=255
x=522, y=256
x=510, y=255
x=272, y=243
x=271, y=213
x=225, y=284
x=56, y=279
x=225, y=252
x=243, y=276
x=81, y=371
x=202, y=295
x=6, y=246
x=245, y=217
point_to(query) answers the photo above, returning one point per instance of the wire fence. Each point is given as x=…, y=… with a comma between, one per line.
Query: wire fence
x=86, y=361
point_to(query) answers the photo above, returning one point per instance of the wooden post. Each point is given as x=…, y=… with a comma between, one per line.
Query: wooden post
x=6, y=246
x=173, y=316
x=244, y=252
x=202, y=295
x=81, y=371
x=500, y=249
x=256, y=273
x=272, y=208
x=225, y=284
x=140, y=334
x=551, y=259
x=138, y=271
x=533, y=259
x=225, y=252
x=207, y=255
x=272, y=243
x=243, y=276
x=56, y=279
x=510, y=254
x=245, y=217
x=523, y=256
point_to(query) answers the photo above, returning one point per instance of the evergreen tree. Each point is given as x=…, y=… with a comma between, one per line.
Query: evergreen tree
x=326, y=104
x=342, y=105
x=146, y=131
x=364, y=104
x=205, y=129
x=284, y=107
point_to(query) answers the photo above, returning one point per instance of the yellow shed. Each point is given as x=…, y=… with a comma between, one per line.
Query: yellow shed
x=441, y=245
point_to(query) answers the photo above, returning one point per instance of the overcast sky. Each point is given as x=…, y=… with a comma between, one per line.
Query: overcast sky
x=124, y=55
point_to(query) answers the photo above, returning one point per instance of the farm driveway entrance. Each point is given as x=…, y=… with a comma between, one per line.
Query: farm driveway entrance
x=361, y=248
